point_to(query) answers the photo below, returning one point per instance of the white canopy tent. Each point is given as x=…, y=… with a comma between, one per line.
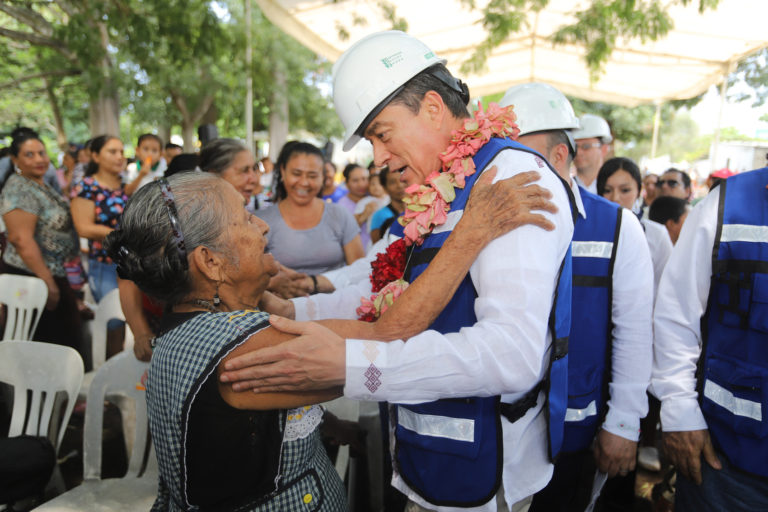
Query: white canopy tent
x=698, y=52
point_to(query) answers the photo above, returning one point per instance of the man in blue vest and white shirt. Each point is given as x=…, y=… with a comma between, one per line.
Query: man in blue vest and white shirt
x=490, y=351
x=711, y=350
x=609, y=361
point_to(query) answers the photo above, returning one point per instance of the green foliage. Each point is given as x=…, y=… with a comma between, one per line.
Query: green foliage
x=598, y=27
x=753, y=70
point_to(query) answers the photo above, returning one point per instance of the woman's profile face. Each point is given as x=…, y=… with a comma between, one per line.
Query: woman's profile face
x=247, y=240
x=242, y=174
x=621, y=188
x=110, y=158
x=302, y=178
x=32, y=159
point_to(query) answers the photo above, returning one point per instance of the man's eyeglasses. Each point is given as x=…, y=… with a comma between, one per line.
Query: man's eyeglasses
x=669, y=183
x=588, y=145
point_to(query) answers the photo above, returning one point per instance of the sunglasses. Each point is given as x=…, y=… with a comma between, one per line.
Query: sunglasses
x=588, y=145
x=669, y=183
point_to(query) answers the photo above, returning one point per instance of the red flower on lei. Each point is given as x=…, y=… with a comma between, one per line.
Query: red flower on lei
x=427, y=205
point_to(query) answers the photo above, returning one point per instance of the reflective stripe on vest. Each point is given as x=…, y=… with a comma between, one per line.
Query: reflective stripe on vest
x=733, y=368
x=458, y=429
x=581, y=414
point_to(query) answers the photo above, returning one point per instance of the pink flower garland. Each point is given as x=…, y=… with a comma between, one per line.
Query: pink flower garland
x=427, y=205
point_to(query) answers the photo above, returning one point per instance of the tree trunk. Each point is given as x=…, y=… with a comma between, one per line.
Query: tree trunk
x=61, y=135
x=188, y=134
x=164, y=131
x=278, y=115
x=105, y=105
x=105, y=114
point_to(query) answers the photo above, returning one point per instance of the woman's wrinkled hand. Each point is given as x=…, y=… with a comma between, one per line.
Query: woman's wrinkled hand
x=494, y=209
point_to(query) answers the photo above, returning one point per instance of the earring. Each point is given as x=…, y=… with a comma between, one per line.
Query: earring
x=216, y=298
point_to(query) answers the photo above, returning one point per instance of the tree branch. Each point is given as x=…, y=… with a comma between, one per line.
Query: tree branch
x=29, y=37
x=28, y=17
x=46, y=74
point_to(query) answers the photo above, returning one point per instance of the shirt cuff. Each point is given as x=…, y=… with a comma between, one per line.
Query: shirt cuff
x=682, y=414
x=300, y=309
x=366, y=367
x=622, y=425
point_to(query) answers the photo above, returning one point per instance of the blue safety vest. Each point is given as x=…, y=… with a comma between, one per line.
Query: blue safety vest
x=595, y=241
x=733, y=368
x=450, y=451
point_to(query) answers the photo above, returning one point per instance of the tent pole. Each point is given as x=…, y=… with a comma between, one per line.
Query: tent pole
x=716, y=139
x=248, y=79
x=656, y=123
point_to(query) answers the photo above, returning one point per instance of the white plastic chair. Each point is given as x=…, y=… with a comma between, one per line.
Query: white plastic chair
x=43, y=369
x=107, y=309
x=120, y=375
x=25, y=297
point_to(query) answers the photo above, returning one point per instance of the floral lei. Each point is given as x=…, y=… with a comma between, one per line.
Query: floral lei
x=427, y=205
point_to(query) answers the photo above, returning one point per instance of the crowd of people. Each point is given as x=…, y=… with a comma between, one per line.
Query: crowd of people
x=528, y=309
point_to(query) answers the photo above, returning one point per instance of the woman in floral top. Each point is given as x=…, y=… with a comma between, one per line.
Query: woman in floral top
x=42, y=238
x=97, y=204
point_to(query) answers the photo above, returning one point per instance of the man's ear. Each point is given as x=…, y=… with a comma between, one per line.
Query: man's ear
x=433, y=107
x=207, y=263
x=560, y=155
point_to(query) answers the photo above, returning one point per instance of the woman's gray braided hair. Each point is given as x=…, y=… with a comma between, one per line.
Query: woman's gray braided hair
x=144, y=246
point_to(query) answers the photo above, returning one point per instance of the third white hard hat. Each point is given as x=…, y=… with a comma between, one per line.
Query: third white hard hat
x=371, y=72
x=592, y=126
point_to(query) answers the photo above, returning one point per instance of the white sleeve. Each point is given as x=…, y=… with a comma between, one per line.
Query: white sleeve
x=632, y=309
x=505, y=351
x=680, y=304
x=661, y=248
x=340, y=304
x=356, y=271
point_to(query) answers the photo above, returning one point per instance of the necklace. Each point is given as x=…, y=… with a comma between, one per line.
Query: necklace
x=204, y=304
x=427, y=205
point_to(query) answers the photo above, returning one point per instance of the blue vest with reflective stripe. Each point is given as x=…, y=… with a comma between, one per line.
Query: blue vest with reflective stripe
x=451, y=451
x=595, y=240
x=733, y=369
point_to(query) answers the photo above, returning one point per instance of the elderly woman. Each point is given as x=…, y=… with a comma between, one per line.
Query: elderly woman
x=188, y=242
x=42, y=237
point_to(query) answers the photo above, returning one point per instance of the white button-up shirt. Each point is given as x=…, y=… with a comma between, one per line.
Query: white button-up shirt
x=505, y=353
x=680, y=303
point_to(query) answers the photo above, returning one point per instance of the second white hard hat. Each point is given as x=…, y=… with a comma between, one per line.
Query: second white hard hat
x=372, y=71
x=592, y=126
x=541, y=107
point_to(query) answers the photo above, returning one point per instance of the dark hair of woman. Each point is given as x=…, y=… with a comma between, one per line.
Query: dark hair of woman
x=19, y=137
x=218, y=154
x=97, y=143
x=290, y=149
x=618, y=163
x=348, y=170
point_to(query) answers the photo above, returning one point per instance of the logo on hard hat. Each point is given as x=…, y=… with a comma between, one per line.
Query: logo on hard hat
x=392, y=59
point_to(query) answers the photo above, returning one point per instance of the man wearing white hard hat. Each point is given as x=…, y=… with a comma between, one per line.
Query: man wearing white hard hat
x=609, y=359
x=592, y=139
x=480, y=396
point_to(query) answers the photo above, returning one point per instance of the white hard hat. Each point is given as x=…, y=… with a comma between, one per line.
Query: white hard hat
x=540, y=107
x=593, y=126
x=372, y=71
